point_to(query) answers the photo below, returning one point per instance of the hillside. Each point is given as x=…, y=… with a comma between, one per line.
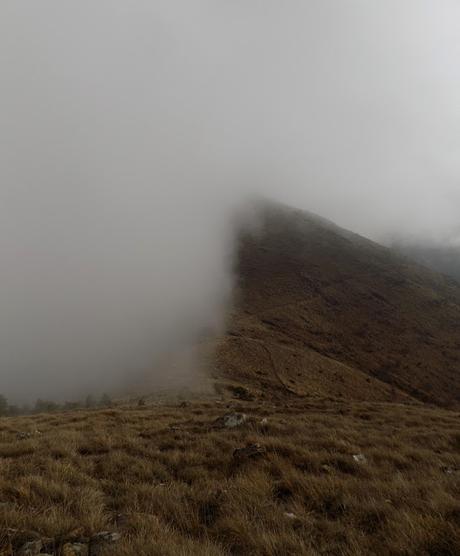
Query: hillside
x=324, y=312
x=317, y=441
x=445, y=259
x=319, y=478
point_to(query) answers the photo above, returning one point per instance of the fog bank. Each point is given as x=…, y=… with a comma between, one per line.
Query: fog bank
x=130, y=132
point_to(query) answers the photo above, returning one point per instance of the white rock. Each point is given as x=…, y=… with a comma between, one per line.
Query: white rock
x=231, y=420
x=360, y=458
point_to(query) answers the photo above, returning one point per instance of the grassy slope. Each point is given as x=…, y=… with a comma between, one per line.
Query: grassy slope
x=331, y=313
x=330, y=330
x=167, y=481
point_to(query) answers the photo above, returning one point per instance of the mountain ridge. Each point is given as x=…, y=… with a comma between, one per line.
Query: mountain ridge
x=340, y=315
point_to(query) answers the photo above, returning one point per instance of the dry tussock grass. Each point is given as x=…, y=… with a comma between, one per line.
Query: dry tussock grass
x=166, y=479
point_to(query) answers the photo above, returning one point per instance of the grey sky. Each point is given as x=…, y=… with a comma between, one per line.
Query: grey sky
x=129, y=130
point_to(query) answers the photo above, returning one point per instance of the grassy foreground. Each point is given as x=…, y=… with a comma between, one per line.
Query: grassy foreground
x=329, y=478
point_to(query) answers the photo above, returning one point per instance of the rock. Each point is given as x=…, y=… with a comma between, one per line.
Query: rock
x=231, y=420
x=25, y=542
x=75, y=549
x=241, y=393
x=449, y=470
x=264, y=422
x=360, y=458
x=250, y=451
x=290, y=515
x=24, y=435
x=31, y=548
x=100, y=540
x=122, y=520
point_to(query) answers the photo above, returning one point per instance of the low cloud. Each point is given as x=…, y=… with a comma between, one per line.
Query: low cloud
x=130, y=133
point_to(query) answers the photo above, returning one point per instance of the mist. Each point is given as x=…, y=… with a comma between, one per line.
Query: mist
x=133, y=132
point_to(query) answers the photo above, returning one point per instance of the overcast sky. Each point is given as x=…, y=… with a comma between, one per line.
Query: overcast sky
x=129, y=130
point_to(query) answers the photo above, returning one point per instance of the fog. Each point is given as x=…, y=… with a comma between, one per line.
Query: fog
x=131, y=131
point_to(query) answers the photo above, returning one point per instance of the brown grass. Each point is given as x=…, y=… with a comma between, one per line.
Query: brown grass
x=166, y=479
x=321, y=310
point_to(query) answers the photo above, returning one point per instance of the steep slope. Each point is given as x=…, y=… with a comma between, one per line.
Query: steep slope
x=325, y=312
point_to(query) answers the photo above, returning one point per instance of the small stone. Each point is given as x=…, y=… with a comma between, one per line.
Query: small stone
x=242, y=393
x=249, y=452
x=121, y=520
x=230, y=420
x=24, y=435
x=450, y=470
x=290, y=515
x=31, y=548
x=360, y=458
x=101, y=539
x=75, y=549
